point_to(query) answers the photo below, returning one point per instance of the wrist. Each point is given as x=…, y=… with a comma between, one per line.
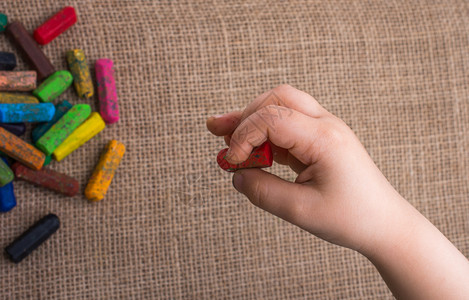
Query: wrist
x=398, y=225
x=418, y=262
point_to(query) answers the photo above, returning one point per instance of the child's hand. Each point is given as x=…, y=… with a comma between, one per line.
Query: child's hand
x=339, y=195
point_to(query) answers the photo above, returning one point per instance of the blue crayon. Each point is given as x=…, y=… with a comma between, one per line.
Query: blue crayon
x=26, y=112
x=17, y=129
x=60, y=110
x=7, y=195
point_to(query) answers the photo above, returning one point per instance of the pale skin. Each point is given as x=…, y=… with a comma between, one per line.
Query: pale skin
x=339, y=195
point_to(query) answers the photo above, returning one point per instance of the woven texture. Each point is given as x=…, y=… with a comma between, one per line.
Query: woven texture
x=171, y=225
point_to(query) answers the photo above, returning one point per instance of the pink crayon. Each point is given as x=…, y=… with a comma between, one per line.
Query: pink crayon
x=107, y=94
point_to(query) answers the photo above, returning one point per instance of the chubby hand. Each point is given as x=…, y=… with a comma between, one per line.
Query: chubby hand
x=339, y=194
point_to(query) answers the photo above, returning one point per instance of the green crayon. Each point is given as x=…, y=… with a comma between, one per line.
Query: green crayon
x=53, y=86
x=6, y=174
x=3, y=22
x=48, y=160
x=63, y=128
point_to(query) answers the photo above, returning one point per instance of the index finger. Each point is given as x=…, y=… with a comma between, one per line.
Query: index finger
x=283, y=95
x=287, y=96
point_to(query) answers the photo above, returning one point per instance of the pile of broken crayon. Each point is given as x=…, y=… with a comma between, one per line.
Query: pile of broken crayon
x=28, y=96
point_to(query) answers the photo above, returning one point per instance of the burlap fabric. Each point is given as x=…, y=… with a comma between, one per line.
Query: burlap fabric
x=172, y=226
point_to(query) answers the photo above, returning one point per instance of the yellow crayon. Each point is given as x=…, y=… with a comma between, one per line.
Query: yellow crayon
x=81, y=73
x=104, y=171
x=88, y=129
x=17, y=98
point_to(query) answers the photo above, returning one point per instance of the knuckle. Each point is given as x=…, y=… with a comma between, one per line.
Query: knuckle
x=268, y=108
x=260, y=114
x=333, y=136
x=257, y=114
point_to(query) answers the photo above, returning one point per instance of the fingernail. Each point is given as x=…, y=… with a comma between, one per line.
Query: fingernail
x=211, y=118
x=237, y=181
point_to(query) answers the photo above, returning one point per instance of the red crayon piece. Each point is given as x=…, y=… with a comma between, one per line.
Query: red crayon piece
x=260, y=157
x=55, y=26
x=47, y=178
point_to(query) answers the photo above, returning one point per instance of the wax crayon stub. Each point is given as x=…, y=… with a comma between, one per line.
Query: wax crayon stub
x=7, y=194
x=88, y=129
x=60, y=110
x=54, y=86
x=260, y=157
x=21, y=151
x=6, y=174
x=3, y=22
x=17, y=129
x=17, y=98
x=26, y=112
x=7, y=61
x=30, y=49
x=107, y=93
x=55, y=26
x=104, y=171
x=63, y=128
x=14, y=81
x=81, y=73
x=7, y=197
x=47, y=160
x=47, y=178
x=32, y=238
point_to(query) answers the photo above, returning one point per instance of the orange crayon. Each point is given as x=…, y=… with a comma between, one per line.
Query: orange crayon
x=104, y=171
x=21, y=151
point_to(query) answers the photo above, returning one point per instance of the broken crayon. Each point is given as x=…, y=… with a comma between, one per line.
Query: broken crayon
x=17, y=98
x=260, y=157
x=88, y=129
x=81, y=73
x=53, y=86
x=32, y=238
x=7, y=61
x=30, y=49
x=60, y=110
x=26, y=112
x=21, y=151
x=107, y=94
x=17, y=81
x=47, y=178
x=55, y=25
x=63, y=128
x=104, y=171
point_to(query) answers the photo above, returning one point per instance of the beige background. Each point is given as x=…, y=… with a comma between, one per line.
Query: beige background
x=172, y=226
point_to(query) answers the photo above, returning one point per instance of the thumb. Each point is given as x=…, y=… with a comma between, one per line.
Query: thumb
x=287, y=200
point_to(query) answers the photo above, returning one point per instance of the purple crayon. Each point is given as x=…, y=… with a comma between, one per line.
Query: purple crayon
x=107, y=94
x=17, y=129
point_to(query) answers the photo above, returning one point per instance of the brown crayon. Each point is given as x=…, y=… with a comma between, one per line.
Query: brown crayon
x=30, y=49
x=47, y=178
